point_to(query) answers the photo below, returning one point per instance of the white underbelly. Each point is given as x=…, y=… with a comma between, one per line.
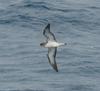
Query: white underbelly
x=52, y=44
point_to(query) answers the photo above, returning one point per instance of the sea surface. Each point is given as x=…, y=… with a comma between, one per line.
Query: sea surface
x=23, y=63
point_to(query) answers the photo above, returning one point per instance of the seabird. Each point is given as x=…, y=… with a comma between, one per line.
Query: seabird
x=52, y=44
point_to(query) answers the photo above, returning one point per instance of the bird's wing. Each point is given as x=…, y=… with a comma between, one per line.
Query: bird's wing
x=51, y=57
x=49, y=35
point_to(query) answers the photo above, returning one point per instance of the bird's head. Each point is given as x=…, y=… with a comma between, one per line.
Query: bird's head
x=42, y=44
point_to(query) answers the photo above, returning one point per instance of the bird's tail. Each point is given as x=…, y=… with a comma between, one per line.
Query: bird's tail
x=65, y=43
x=62, y=44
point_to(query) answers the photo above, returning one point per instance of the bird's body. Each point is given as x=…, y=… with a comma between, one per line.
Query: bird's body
x=52, y=45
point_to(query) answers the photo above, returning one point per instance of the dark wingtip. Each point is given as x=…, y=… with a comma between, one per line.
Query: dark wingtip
x=56, y=70
x=48, y=25
x=55, y=67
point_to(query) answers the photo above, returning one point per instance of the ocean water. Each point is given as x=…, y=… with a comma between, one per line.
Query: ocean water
x=23, y=63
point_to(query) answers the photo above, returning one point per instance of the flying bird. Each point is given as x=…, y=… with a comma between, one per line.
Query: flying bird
x=52, y=44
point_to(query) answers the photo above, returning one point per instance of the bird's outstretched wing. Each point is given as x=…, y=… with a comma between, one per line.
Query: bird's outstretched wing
x=49, y=35
x=51, y=57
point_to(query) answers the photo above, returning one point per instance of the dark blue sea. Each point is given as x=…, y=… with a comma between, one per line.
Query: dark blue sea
x=23, y=63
